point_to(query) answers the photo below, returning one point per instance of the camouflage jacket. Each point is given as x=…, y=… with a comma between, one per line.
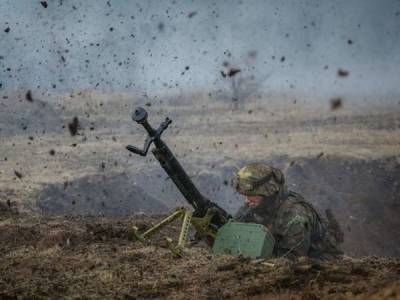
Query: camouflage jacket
x=297, y=228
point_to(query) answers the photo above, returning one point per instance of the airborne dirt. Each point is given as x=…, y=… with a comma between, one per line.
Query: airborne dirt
x=79, y=196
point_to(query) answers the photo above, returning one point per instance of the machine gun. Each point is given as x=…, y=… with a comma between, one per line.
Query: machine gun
x=207, y=215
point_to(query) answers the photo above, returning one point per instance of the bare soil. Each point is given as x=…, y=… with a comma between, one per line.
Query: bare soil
x=79, y=195
x=93, y=257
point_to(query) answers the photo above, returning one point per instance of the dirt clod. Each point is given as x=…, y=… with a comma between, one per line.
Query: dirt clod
x=342, y=73
x=45, y=256
x=28, y=96
x=74, y=126
x=231, y=72
x=192, y=14
x=18, y=174
x=336, y=103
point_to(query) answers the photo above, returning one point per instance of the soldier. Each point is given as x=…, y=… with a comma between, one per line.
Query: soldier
x=295, y=224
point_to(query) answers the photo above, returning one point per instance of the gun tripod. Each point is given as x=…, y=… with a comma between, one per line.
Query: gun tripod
x=201, y=225
x=208, y=215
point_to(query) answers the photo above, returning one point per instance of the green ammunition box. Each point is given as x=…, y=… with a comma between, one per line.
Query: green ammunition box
x=247, y=239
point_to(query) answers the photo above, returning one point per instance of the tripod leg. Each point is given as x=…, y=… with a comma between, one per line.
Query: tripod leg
x=179, y=212
x=185, y=228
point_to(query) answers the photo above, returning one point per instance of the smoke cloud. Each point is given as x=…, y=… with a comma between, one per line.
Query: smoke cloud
x=142, y=46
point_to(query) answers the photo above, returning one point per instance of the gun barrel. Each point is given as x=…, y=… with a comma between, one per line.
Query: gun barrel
x=178, y=175
x=174, y=169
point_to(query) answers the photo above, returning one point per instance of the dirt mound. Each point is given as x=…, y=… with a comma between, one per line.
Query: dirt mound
x=19, y=116
x=363, y=194
x=111, y=195
x=7, y=208
x=91, y=257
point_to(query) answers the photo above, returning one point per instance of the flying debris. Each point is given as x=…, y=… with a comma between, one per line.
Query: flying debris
x=342, y=73
x=336, y=103
x=28, y=96
x=192, y=14
x=74, y=126
x=18, y=174
x=232, y=72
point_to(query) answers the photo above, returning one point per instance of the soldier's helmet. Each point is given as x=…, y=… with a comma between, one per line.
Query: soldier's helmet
x=259, y=180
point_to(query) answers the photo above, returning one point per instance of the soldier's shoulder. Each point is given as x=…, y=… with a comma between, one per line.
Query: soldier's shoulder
x=295, y=204
x=291, y=217
x=293, y=200
x=295, y=197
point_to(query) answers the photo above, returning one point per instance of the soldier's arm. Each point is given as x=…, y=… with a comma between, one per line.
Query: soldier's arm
x=293, y=233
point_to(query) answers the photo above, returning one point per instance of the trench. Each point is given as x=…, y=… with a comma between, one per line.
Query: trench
x=363, y=194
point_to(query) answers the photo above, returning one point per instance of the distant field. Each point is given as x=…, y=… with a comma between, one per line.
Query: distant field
x=44, y=168
x=203, y=133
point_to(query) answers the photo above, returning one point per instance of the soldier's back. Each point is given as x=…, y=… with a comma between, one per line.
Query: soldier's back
x=297, y=221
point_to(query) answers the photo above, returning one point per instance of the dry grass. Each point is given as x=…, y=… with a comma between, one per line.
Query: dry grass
x=203, y=132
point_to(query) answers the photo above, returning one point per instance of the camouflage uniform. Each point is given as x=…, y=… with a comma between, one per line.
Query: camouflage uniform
x=295, y=224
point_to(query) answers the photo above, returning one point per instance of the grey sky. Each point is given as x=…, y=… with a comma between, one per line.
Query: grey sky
x=121, y=45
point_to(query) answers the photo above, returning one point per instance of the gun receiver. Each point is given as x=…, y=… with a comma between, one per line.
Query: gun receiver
x=170, y=164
